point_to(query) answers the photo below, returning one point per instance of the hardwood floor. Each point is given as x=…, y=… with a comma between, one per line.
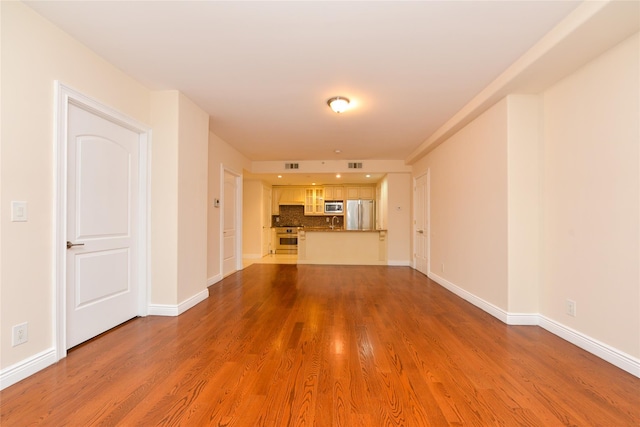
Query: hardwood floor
x=287, y=345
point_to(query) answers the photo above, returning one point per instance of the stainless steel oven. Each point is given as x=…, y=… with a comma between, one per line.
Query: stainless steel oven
x=286, y=240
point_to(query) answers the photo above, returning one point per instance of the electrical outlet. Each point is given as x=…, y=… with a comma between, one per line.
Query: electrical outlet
x=442, y=267
x=571, y=308
x=20, y=334
x=18, y=211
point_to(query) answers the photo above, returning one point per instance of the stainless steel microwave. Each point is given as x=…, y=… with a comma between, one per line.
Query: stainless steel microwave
x=334, y=207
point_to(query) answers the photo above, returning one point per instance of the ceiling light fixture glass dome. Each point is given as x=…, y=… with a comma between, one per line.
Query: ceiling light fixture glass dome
x=338, y=103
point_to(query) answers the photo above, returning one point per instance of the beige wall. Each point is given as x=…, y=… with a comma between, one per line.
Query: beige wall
x=252, y=194
x=469, y=207
x=192, y=199
x=538, y=201
x=398, y=218
x=34, y=55
x=591, y=187
x=164, y=197
x=179, y=198
x=524, y=115
x=382, y=195
x=220, y=155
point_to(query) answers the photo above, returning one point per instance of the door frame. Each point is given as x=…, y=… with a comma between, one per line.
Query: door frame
x=64, y=95
x=238, y=214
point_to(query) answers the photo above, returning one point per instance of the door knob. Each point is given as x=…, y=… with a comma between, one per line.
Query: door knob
x=70, y=245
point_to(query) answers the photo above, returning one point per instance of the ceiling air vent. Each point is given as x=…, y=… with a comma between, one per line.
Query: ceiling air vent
x=355, y=165
x=291, y=165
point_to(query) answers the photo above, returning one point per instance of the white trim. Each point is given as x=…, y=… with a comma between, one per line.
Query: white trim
x=612, y=355
x=163, y=310
x=399, y=263
x=493, y=310
x=29, y=366
x=214, y=279
x=176, y=310
x=64, y=95
x=522, y=319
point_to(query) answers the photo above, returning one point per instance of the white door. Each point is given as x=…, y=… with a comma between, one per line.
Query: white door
x=421, y=224
x=102, y=201
x=266, y=220
x=229, y=210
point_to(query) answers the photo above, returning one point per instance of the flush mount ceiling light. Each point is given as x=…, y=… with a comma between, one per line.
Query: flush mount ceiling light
x=338, y=103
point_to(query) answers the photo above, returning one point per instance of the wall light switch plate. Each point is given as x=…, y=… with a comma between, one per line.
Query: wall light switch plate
x=18, y=211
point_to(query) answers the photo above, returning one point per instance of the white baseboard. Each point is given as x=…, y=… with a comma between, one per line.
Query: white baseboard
x=176, y=310
x=612, y=355
x=398, y=263
x=496, y=312
x=21, y=370
x=523, y=319
x=214, y=279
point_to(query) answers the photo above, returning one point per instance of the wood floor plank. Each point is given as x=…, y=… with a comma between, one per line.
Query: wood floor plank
x=287, y=345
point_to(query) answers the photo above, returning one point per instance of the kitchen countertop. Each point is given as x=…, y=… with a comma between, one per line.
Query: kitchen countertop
x=305, y=229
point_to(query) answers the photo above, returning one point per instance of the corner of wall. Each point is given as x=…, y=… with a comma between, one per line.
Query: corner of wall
x=524, y=144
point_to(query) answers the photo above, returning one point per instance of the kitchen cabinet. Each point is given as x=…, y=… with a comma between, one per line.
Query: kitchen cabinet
x=286, y=196
x=292, y=196
x=276, y=192
x=314, y=201
x=333, y=193
x=367, y=192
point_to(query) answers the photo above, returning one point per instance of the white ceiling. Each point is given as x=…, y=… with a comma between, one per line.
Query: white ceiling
x=264, y=70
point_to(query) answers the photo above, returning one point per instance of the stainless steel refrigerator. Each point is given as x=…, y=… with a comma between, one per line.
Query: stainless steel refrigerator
x=361, y=215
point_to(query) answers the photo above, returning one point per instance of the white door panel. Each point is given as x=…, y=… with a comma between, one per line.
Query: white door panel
x=101, y=266
x=421, y=224
x=102, y=200
x=101, y=211
x=229, y=240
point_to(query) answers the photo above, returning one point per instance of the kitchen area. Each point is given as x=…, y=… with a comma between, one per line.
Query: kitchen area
x=327, y=225
x=301, y=223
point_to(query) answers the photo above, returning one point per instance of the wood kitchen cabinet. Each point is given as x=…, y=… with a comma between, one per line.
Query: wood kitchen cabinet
x=314, y=201
x=286, y=196
x=333, y=193
x=367, y=192
x=276, y=192
x=292, y=195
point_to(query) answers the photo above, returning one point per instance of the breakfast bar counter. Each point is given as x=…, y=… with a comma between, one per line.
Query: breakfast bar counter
x=342, y=247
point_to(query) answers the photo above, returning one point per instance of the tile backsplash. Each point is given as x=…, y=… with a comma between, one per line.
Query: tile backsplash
x=294, y=215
